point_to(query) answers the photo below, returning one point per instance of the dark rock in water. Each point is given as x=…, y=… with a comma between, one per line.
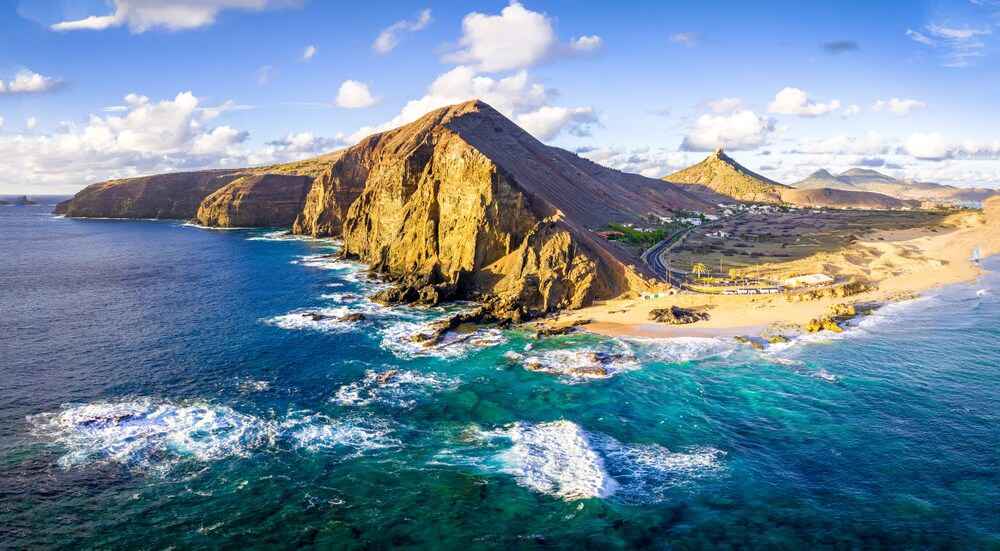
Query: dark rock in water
x=589, y=371
x=25, y=202
x=4, y=203
x=754, y=344
x=106, y=421
x=314, y=316
x=823, y=323
x=778, y=338
x=561, y=330
x=675, y=315
x=355, y=316
x=385, y=376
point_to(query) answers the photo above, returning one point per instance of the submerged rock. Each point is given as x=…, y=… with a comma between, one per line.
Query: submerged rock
x=752, y=343
x=675, y=315
x=775, y=339
x=354, y=316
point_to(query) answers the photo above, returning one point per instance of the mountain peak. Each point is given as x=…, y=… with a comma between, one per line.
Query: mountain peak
x=724, y=176
x=821, y=173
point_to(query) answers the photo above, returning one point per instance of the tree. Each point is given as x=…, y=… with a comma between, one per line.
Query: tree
x=734, y=274
x=699, y=269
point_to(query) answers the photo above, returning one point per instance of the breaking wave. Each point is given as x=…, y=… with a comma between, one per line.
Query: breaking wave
x=394, y=387
x=398, y=338
x=561, y=459
x=150, y=434
x=577, y=363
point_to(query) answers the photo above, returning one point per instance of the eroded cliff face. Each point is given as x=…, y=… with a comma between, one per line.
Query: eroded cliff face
x=176, y=196
x=445, y=220
x=255, y=201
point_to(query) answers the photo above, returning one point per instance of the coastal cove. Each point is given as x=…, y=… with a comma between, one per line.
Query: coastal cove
x=164, y=375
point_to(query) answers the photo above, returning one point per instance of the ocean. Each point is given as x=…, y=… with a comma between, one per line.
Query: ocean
x=160, y=388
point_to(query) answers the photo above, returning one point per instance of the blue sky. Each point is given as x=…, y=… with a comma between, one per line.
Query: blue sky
x=93, y=89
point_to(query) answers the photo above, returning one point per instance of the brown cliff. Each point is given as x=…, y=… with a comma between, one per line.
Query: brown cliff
x=255, y=201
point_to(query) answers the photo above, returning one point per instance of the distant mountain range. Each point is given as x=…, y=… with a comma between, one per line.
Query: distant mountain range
x=863, y=179
x=720, y=178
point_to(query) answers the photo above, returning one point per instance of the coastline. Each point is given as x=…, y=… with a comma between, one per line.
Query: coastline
x=901, y=263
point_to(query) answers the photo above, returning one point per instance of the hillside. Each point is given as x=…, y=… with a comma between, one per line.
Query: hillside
x=829, y=197
x=463, y=203
x=719, y=174
x=176, y=195
x=864, y=179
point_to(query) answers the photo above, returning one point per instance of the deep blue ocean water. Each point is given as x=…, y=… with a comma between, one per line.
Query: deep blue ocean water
x=159, y=388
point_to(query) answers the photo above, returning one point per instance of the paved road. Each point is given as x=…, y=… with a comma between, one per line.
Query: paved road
x=654, y=255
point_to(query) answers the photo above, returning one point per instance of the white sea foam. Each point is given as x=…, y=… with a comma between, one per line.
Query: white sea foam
x=143, y=432
x=395, y=387
x=326, y=261
x=283, y=235
x=684, y=349
x=216, y=228
x=577, y=363
x=398, y=339
x=558, y=459
x=156, y=435
x=561, y=459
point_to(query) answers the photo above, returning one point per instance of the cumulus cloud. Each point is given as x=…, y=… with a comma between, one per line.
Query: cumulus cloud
x=898, y=107
x=850, y=111
x=933, y=146
x=308, y=53
x=725, y=105
x=689, y=40
x=29, y=82
x=518, y=38
x=645, y=161
x=742, y=129
x=174, y=15
x=1, y=122
x=840, y=46
x=31, y=123
x=841, y=144
x=958, y=45
x=510, y=42
x=391, y=36
x=149, y=136
x=547, y=122
x=793, y=101
x=355, y=95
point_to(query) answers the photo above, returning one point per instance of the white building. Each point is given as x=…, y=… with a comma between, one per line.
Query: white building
x=811, y=279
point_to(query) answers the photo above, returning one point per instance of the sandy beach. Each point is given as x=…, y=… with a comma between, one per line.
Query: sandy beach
x=901, y=263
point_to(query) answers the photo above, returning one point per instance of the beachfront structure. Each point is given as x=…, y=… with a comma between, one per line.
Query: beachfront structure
x=811, y=279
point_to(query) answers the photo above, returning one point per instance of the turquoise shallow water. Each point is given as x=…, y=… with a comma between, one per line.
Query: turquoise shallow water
x=159, y=388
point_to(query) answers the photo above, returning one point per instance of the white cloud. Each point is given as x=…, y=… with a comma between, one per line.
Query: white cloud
x=518, y=38
x=148, y=137
x=688, y=39
x=725, y=105
x=31, y=124
x=28, y=82
x=742, y=129
x=652, y=164
x=174, y=15
x=1, y=122
x=841, y=144
x=308, y=53
x=851, y=111
x=590, y=43
x=933, y=146
x=264, y=73
x=793, y=101
x=898, y=107
x=547, y=122
x=355, y=95
x=207, y=113
x=391, y=36
x=958, y=45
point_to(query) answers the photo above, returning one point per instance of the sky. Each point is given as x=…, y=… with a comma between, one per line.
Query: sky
x=92, y=89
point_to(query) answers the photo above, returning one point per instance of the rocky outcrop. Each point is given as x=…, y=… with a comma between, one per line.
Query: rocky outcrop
x=823, y=323
x=25, y=202
x=675, y=315
x=720, y=175
x=463, y=204
x=255, y=201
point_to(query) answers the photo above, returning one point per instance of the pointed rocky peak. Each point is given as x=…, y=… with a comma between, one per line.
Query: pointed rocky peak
x=821, y=173
x=864, y=173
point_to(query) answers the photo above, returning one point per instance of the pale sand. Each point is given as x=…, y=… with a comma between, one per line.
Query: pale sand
x=900, y=262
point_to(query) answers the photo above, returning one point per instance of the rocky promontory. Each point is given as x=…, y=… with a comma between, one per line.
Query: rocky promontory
x=464, y=204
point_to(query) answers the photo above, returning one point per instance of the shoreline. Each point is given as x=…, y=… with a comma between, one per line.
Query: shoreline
x=901, y=263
